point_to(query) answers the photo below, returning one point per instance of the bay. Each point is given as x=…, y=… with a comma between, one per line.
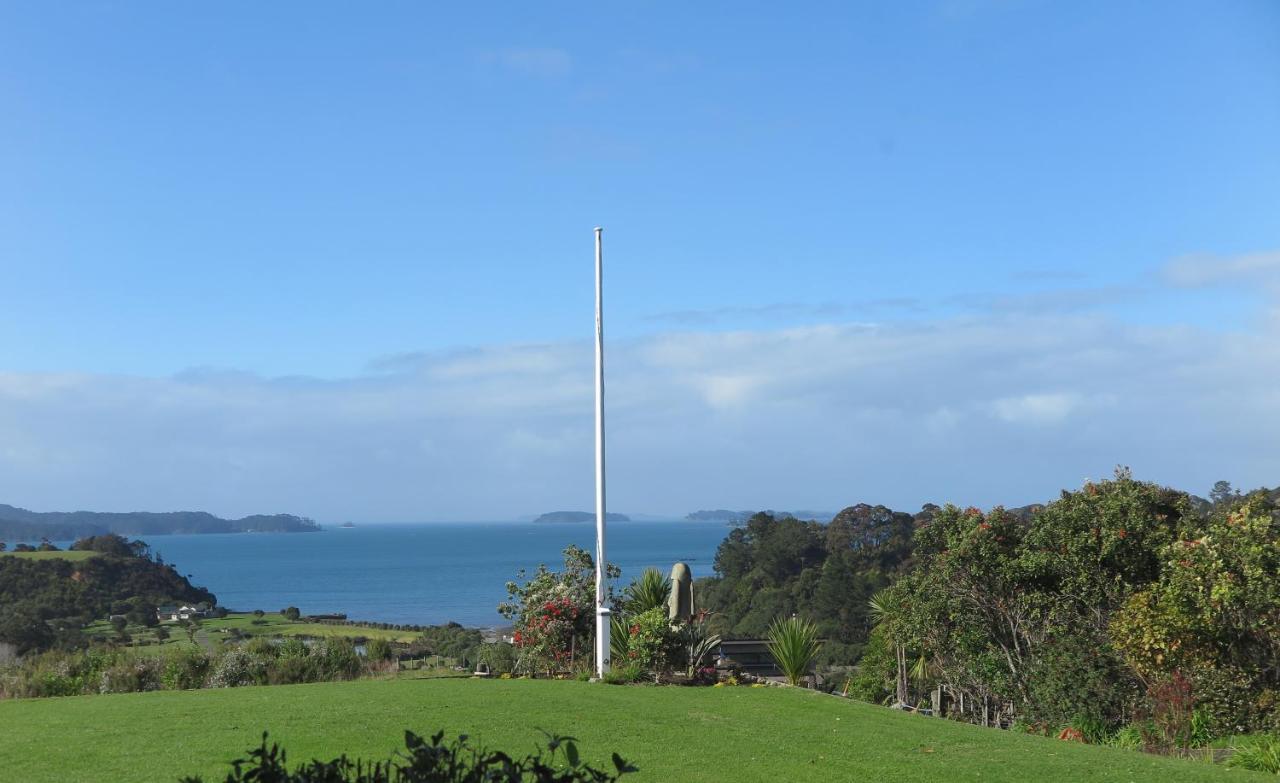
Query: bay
x=425, y=573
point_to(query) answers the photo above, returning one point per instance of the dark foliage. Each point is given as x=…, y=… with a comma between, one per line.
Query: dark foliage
x=774, y=567
x=453, y=641
x=1121, y=601
x=429, y=761
x=69, y=593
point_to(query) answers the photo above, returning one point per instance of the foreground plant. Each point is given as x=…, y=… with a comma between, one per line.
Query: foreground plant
x=1261, y=755
x=650, y=591
x=794, y=644
x=429, y=761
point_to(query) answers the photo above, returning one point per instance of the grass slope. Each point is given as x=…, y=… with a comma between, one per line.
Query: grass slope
x=686, y=734
x=275, y=624
x=62, y=554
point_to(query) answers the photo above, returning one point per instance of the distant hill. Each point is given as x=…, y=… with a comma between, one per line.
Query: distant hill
x=580, y=516
x=22, y=524
x=725, y=515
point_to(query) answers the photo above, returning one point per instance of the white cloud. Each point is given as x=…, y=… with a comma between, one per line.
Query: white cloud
x=1036, y=408
x=976, y=410
x=540, y=61
x=1203, y=270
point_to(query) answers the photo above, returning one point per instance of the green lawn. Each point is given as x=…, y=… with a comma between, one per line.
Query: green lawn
x=59, y=555
x=672, y=733
x=275, y=624
x=217, y=631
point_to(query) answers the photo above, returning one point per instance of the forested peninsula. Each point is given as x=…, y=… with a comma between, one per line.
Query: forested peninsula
x=580, y=516
x=22, y=524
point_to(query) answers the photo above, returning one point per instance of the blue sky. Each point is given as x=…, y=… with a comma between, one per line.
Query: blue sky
x=223, y=226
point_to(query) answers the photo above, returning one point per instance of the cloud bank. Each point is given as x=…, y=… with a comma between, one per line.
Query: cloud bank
x=1004, y=407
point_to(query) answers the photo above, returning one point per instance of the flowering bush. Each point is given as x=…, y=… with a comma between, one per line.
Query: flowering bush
x=554, y=613
x=551, y=632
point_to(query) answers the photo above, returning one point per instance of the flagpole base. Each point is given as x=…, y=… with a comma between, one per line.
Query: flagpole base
x=604, y=623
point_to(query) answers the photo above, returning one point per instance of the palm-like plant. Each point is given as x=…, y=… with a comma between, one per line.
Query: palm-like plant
x=698, y=644
x=619, y=640
x=649, y=591
x=794, y=644
x=883, y=608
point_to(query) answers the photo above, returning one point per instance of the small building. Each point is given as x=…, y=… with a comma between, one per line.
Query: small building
x=172, y=614
x=750, y=655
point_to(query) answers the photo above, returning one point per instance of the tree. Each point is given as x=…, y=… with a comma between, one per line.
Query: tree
x=22, y=626
x=3, y=546
x=112, y=544
x=1018, y=609
x=887, y=613
x=1222, y=494
x=258, y=613
x=1213, y=616
x=291, y=613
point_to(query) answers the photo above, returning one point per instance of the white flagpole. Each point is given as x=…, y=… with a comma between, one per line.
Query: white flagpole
x=602, y=609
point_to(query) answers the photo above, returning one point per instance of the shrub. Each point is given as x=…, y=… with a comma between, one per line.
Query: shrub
x=262, y=647
x=1128, y=737
x=291, y=613
x=132, y=676
x=184, y=670
x=697, y=645
x=337, y=659
x=652, y=644
x=1261, y=755
x=625, y=675
x=378, y=650
x=794, y=644
x=500, y=656
x=430, y=761
x=236, y=668
x=1092, y=729
x=554, y=612
x=649, y=591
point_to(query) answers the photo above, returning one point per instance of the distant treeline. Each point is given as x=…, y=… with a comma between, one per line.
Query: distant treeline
x=580, y=516
x=725, y=515
x=20, y=524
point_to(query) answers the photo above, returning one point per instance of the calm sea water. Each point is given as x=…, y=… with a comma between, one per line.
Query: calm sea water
x=416, y=573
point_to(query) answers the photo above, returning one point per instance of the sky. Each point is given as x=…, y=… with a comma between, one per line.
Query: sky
x=336, y=260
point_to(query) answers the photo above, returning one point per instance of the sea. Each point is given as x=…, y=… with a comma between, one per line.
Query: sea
x=423, y=573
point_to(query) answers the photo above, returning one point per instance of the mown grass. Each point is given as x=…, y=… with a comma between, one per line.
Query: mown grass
x=218, y=631
x=62, y=554
x=671, y=733
x=275, y=624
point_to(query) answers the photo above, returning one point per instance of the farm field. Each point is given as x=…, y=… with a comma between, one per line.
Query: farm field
x=671, y=733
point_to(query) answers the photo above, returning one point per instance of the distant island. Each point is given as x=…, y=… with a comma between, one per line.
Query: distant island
x=22, y=524
x=347, y=524
x=725, y=515
x=580, y=516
